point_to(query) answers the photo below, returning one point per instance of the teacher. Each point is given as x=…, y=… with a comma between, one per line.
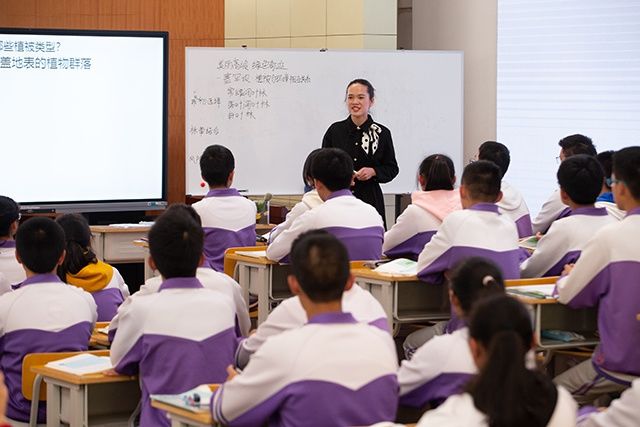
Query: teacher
x=368, y=143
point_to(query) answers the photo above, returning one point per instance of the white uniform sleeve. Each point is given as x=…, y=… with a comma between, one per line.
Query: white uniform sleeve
x=299, y=209
x=281, y=246
x=550, y=249
x=432, y=261
x=151, y=286
x=404, y=228
x=623, y=412
x=126, y=348
x=240, y=306
x=124, y=289
x=551, y=209
x=5, y=285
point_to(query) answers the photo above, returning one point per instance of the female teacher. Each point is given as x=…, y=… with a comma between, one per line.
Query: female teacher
x=368, y=143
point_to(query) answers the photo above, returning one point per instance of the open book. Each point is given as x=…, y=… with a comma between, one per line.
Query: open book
x=253, y=254
x=194, y=400
x=400, y=266
x=82, y=364
x=532, y=291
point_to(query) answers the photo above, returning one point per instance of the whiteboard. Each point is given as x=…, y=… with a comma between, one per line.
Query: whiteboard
x=272, y=107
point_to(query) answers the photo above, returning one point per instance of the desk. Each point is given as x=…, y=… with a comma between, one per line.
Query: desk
x=183, y=418
x=114, y=244
x=88, y=399
x=405, y=298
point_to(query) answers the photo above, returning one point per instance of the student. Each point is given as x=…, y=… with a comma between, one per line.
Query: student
x=357, y=224
x=553, y=208
x=444, y=365
x=512, y=203
x=605, y=199
x=580, y=178
x=9, y=267
x=331, y=371
x=310, y=199
x=421, y=219
x=228, y=219
x=181, y=336
x=606, y=276
x=290, y=315
x=81, y=268
x=43, y=314
x=623, y=412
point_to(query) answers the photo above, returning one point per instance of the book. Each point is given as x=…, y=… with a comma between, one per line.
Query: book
x=529, y=243
x=533, y=291
x=82, y=364
x=253, y=254
x=194, y=400
x=400, y=266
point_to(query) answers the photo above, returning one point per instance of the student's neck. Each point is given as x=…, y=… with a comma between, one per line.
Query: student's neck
x=317, y=308
x=3, y=238
x=30, y=273
x=471, y=203
x=218, y=187
x=575, y=206
x=359, y=121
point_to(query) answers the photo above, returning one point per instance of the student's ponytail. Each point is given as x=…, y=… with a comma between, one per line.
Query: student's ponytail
x=505, y=390
x=474, y=278
x=77, y=245
x=438, y=172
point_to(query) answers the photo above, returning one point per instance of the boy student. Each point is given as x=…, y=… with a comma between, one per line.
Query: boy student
x=43, y=314
x=605, y=199
x=580, y=178
x=9, y=268
x=357, y=224
x=228, y=219
x=606, y=276
x=290, y=315
x=512, y=203
x=553, y=208
x=331, y=371
x=183, y=335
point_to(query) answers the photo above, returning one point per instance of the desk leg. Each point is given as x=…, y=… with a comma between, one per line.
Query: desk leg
x=243, y=278
x=383, y=292
x=78, y=402
x=53, y=405
x=264, y=289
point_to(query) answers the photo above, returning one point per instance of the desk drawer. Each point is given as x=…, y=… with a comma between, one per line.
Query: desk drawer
x=119, y=247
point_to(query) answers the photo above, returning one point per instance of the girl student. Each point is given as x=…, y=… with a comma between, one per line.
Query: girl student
x=82, y=269
x=435, y=200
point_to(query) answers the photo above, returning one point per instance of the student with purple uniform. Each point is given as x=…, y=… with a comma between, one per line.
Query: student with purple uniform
x=228, y=219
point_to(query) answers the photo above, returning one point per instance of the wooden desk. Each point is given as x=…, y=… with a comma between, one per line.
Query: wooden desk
x=114, y=244
x=81, y=400
x=405, y=298
x=183, y=418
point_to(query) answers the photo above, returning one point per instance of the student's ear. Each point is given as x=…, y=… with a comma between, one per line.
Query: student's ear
x=152, y=264
x=350, y=282
x=463, y=192
x=499, y=197
x=564, y=197
x=476, y=351
x=62, y=257
x=201, y=262
x=455, y=303
x=422, y=181
x=294, y=286
x=230, y=178
x=18, y=257
x=13, y=228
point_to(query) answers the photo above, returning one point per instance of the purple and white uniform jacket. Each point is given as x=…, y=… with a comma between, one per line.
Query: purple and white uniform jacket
x=552, y=209
x=176, y=339
x=564, y=241
x=412, y=230
x=9, y=267
x=43, y=315
x=513, y=205
x=356, y=224
x=228, y=220
x=606, y=276
x=331, y=371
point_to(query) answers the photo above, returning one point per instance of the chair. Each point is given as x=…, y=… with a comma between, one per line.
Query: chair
x=230, y=264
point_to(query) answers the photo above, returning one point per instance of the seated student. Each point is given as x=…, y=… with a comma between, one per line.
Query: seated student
x=512, y=203
x=553, y=208
x=290, y=315
x=310, y=199
x=606, y=276
x=580, y=178
x=421, y=219
x=357, y=224
x=331, y=371
x=81, y=268
x=444, y=365
x=228, y=219
x=43, y=314
x=623, y=412
x=9, y=267
x=605, y=199
x=181, y=336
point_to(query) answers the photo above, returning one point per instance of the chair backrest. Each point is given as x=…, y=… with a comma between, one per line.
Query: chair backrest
x=40, y=359
x=230, y=264
x=535, y=281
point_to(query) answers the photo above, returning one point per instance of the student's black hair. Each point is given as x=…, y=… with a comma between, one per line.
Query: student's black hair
x=333, y=167
x=473, y=279
x=438, y=172
x=482, y=180
x=9, y=213
x=370, y=89
x=505, y=390
x=216, y=163
x=581, y=177
x=577, y=144
x=77, y=235
x=176, y=241
x=497, y=153
x=320, y=263
x=40, y=243
x=605, y=159
x=626, y=167
x=307, y=176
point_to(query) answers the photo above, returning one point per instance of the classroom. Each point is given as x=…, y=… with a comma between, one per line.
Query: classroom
x=239, y=253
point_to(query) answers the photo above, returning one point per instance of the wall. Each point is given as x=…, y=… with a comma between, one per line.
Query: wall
x=189, y=23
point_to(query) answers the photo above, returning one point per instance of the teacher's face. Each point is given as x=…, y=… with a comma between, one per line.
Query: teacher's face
x=358, y=101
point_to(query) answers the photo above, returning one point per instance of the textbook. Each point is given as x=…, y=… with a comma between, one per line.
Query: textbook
x=533, y=291
x=400, y=266
x=529, y=243
x=194, y=400
x=82, y=364
x=253, y=254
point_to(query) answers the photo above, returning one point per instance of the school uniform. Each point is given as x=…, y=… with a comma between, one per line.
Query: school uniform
x=228, y=220
x=177, y=338
x=106, y=286
x=331, y=371
x=552, y=209
x=612, y=208
x=291, y=315
x=9, y=266
x=5, y=286
x=42, y=315
x=606, y=276
x=513, y=205
x=310, y=200
x=623, y=412
x=438, y=369
x=415, y=227
x=564, y=241
x=356, y=224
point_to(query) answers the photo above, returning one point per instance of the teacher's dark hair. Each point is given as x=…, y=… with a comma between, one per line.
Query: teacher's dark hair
x=370, y=89
x=438, y=172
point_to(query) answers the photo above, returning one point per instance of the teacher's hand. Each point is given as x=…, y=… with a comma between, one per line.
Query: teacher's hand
x=365, y=174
